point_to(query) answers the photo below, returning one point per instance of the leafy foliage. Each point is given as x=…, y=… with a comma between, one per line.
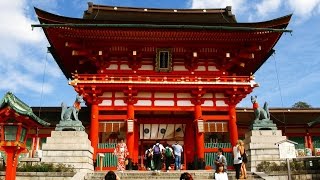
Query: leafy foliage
x=45, y=167
x=301, y=105
x=266, y=166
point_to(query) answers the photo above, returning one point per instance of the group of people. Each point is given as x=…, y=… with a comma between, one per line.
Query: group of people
x=158, y=152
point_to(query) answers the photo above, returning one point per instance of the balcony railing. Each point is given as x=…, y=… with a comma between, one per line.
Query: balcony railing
x=102, y=78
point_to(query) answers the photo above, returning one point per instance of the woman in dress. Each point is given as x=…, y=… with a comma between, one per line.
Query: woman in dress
x=244, y=160
x=121, y=151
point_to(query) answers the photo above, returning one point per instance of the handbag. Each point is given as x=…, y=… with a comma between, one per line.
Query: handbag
x=244, y=157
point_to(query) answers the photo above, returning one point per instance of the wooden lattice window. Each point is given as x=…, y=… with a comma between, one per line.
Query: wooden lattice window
x=163, y=60
x=216, y=126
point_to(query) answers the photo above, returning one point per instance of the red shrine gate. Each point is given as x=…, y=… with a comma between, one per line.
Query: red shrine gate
x=148, y=74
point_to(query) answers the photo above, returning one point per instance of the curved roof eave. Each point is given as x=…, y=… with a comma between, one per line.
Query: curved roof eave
x=20, y=107
x=49, y=18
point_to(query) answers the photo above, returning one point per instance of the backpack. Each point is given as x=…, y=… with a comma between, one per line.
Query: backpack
x=156, y=149
x=168, y=152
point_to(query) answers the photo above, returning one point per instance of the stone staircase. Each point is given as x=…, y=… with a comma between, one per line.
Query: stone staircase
x=150, y=175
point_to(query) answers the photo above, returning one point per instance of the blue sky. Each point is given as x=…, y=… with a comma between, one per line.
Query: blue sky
x=292, y=74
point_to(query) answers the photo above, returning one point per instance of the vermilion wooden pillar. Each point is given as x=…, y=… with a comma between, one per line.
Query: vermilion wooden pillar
x=94, y=129
x=136, y=142
x=189, y=144
x=130, y=136
x=199, y=135
x=233, y=130
x=12, y=159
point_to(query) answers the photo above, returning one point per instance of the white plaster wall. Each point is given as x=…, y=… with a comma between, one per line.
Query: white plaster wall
x=221, y=103
x=212, y=68
x=219, y=95
x=106, y=103
x=201, y=68
x=184, y=103
x=179, y=68
x=208, y=95
x=163, y=103
x=144, y=95
x=125, y=67
x=119, y=94
x=163, y=95
x=107, y=94
x=146, y=67
x=207, y=103
x=119, y=103
x=184, y=95
x=143, y=103
x=113, y=67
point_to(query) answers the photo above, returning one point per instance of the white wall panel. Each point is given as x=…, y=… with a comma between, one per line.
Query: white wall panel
x=163, y=95
x=207, y=103
x=184, y=95
x=184, y=103
x=143, y=103
x=113, y=67
x=119, y=103
x=106, y=103
x=144, y=95
x=201, y=68
x=221, y=103
x=107, y=94
x=146, y=67
x=180, y=68
x=125, y=67
x=163, y=103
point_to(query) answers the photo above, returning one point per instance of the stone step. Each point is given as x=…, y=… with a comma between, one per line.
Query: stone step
x=150, y=175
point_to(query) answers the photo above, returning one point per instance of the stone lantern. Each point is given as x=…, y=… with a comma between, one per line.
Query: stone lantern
x=16, y=118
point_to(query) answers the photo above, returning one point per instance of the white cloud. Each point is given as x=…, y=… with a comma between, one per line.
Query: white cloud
x=22, y=50
x=268, y=6
x=304, y=9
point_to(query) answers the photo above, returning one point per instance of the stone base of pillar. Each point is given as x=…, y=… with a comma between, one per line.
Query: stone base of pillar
x=261, y=146
x=69, y=147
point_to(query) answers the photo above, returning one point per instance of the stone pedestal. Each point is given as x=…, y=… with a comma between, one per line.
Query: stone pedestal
x=70, y=126
x=261, y=146
x=69, y=147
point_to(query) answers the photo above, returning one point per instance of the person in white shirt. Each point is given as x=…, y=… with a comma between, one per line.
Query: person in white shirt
x=220, y=173
x=177, y=149
x=237, y=160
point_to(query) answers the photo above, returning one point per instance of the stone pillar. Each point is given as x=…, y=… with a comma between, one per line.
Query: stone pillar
x=233, y=129
x=94, y=128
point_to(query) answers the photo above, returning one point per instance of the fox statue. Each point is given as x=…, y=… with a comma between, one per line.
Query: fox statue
x=68, y=113
x=260, y=113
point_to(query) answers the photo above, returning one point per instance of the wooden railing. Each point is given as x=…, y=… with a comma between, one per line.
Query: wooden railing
x=103, y=78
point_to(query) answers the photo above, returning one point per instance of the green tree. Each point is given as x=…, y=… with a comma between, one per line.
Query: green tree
x=301, y=105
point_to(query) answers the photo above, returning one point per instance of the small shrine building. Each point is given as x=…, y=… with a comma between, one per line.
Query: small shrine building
x=161, y=74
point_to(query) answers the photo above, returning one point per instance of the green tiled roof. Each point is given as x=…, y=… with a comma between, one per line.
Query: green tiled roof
x=20, y=107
